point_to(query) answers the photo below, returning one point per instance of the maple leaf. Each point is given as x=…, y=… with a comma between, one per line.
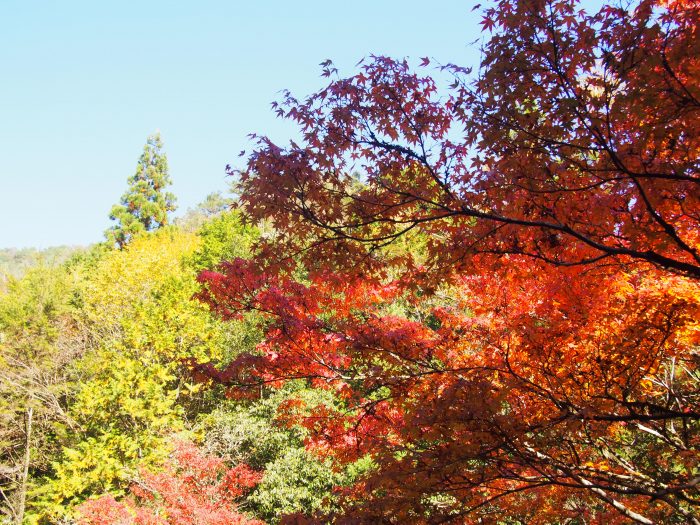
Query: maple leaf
x=537, y=230
x=193, y=489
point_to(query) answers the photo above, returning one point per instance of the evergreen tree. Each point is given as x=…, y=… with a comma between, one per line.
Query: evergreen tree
x=145, y=205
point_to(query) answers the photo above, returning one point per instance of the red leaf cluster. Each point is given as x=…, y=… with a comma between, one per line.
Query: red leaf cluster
x=193, y=489
x=535, y=354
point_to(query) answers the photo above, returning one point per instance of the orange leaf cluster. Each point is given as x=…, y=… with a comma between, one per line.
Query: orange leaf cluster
x=535, y=355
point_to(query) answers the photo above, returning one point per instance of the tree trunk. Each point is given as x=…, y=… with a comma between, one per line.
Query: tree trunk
x=25, y=471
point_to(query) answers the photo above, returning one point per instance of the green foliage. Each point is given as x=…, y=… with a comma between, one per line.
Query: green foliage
x=108, y=332
x=94, y=465
x=145, y=205
x=29, y=313
x=38, y=339
x=125, y=412
x=35, y=333
x=224, y=237
x=135, y=307
x=132, y=392
x=293, y=480
x=213, y=205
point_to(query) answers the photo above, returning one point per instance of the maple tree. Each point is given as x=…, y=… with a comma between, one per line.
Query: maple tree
x=531, y=352
x=193, y=489
x=577, y=142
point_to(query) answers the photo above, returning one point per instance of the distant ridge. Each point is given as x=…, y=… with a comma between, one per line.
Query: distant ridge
x=14, y=262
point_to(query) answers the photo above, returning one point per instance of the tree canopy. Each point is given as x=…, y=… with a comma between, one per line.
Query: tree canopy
x=463, y=296
x=535, y=360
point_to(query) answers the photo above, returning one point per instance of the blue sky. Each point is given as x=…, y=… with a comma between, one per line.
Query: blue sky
x=84, y=82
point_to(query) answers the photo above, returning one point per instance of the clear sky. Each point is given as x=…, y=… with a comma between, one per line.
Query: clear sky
x=83, y=82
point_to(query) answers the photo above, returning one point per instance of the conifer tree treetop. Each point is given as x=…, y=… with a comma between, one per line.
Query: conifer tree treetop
x=146, y=204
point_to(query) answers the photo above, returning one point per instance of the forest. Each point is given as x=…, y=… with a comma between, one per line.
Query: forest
x=462, y=295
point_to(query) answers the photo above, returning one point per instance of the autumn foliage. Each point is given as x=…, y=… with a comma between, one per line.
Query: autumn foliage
x=194, y=489
x=498, y=279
